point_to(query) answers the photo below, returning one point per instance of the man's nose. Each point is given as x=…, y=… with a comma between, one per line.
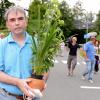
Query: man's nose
x=16, y=22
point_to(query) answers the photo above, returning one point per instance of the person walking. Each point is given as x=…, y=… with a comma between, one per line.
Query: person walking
x=62, y=48
x=96, y=68
x=72, y=56
x=15, y=56
x=89, y=55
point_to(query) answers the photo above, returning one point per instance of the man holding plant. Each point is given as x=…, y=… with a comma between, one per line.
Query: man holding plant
x=15, y=56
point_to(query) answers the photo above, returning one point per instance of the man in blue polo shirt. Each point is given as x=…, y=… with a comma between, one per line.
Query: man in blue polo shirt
x=15, y=56
x=89, y=55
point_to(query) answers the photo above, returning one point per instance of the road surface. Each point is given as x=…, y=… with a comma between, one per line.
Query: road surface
x=62, y=87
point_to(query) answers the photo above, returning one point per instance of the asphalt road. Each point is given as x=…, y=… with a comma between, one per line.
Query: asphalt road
x=62, y=87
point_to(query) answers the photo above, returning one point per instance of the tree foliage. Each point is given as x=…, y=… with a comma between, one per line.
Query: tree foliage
x=83, y=19
x=3, y=6
x=97, y=25
x=68, y=18
x=78, y=11
x=97, y=22
x=36, y=11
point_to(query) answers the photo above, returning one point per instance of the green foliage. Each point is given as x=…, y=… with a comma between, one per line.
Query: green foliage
x=97, y=25
x=36, y=14
x=97, y=22
x=68, y=18
x=49, y=37
x=3, y=6
x=98, y=37
x=5, y=31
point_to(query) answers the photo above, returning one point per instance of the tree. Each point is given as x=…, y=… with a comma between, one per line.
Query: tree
x=97, y=22
x=78, y=10
x=68, y=18
x=83, y=19
x=79, y=16
x=36, y=11
x=97, y=25
x=3, y=6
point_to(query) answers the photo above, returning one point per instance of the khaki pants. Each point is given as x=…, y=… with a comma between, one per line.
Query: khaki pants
x=72, y=61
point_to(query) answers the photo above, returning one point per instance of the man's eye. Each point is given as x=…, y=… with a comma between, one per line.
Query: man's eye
x=21, y=18
x=12, y=20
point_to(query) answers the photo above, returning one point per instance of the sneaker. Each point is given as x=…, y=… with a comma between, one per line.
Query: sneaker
x=71, y=74
x=91, y=81
x=94, y=72
x=83, y=77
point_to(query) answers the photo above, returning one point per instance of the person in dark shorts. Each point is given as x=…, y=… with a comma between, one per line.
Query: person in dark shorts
x=72, y=56
x=96, y=67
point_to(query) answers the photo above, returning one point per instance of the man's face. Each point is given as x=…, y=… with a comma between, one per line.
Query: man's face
x=16, y=22
x=93, y=40
x=74, y=39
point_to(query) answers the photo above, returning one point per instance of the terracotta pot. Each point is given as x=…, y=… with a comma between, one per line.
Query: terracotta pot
x=37, y=84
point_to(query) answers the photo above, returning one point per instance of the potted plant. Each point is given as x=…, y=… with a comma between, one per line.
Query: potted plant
x=46, y=45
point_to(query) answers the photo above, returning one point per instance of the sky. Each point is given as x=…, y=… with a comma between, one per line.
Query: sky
x=89, y=5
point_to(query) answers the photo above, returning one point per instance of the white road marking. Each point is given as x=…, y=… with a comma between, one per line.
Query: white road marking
x=64, y=61
x=56, y=61
x=89, y=87
x=84, y=62
x=78, y=63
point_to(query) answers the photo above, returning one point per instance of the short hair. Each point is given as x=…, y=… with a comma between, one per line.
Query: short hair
x=14, y=9
x=92, y=37
x=74, y=38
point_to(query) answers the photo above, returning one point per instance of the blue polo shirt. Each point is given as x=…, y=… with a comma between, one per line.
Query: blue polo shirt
x=90, y=50
x=15, y=60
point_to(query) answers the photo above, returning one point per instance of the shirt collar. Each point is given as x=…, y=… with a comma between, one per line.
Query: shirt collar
x=90, y=42
x=28, y=38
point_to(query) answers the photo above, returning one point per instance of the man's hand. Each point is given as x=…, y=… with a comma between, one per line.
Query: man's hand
x=44, y=89
x=23, y=86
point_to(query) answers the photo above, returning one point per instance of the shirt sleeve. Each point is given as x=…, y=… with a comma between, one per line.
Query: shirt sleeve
x=1, y=56
x=85, y=47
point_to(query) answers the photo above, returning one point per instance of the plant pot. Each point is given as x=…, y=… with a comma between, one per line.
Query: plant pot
x=37, y=76
x=37, y=83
